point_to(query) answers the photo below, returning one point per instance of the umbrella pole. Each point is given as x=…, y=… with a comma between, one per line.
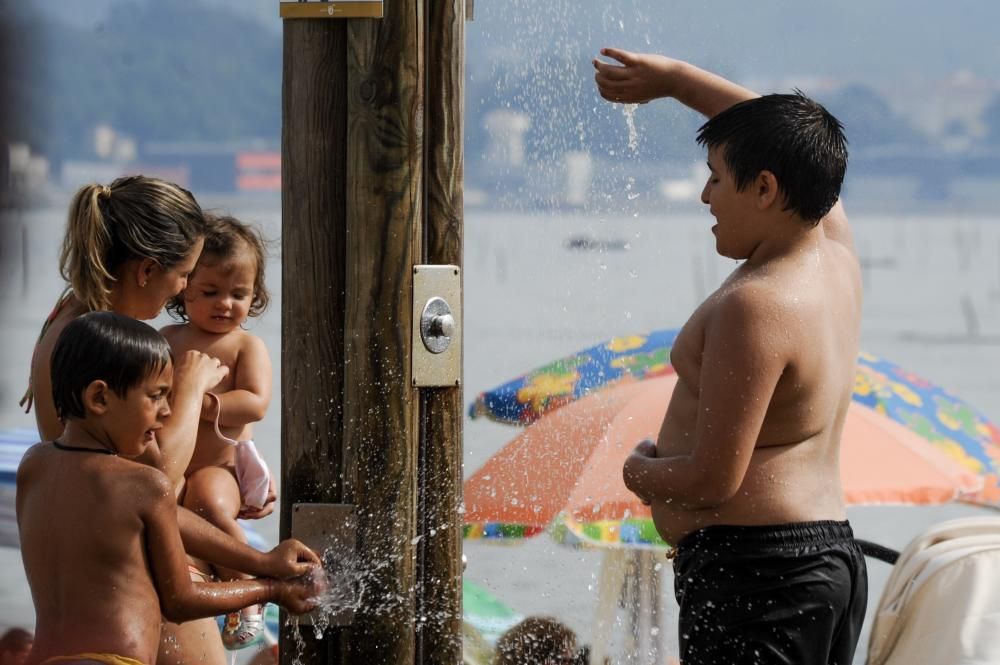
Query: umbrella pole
x=609, y=589
x=631, y=599
x=648, y=608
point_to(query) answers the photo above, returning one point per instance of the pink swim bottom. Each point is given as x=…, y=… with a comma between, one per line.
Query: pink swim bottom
x=252, y=475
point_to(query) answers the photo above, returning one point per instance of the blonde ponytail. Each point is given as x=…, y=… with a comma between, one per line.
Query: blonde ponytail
x=85, y=246
x=135, y=217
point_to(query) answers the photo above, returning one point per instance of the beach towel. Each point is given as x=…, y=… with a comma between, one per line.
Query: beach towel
x=941, y=604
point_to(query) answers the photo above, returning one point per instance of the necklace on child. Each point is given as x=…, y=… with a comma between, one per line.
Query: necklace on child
x=81, y=449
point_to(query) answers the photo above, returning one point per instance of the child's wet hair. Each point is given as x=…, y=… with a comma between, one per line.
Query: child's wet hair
x=135, y=217
x=103, y=346
x=791, y=136
x=225, y=239
x=536, y=639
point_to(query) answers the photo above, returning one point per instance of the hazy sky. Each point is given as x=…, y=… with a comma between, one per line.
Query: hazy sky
x=847, y=38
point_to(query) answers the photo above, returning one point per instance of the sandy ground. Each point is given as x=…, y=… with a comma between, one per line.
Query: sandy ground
x=932, y=295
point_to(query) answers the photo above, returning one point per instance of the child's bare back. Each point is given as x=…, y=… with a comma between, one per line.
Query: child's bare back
x=99, y=535
x=85, y=519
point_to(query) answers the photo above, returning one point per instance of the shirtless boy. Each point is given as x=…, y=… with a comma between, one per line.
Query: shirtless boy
x=744, y=476
x=99, y=536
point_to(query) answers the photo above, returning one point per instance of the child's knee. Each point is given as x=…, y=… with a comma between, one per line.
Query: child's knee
x=213, y=492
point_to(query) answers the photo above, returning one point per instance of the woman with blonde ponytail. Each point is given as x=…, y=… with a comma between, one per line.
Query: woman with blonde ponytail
x=129, y=248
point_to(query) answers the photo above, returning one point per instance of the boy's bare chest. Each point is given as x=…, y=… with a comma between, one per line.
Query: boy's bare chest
x=686, y=354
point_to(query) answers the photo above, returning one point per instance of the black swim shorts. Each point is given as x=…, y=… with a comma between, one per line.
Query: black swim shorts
x=789, y=594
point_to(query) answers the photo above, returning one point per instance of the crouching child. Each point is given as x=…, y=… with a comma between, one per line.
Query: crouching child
x=99, y=536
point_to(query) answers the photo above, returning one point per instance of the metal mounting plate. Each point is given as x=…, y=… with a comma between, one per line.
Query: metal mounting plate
x=437, y=290
x=331, y=530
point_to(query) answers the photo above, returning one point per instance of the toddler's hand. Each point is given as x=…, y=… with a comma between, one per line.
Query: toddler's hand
x=290, y=558
x=251, y=513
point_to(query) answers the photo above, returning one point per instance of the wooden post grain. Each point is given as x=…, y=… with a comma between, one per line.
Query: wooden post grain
x=384, y=154
x=439, y=599
x=372, y=185
x=313, y=214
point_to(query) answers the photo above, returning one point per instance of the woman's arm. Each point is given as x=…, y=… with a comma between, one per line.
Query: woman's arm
x=642, y=77
x=203, y=540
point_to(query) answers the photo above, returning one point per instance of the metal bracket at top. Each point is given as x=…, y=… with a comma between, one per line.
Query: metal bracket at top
x=436, y=340
x=334, y=9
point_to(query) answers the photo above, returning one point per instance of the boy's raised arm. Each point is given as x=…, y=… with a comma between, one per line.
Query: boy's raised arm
x=643, y=77
x=194, y=373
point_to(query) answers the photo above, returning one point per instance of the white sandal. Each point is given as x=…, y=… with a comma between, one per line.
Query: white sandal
x=243, y=628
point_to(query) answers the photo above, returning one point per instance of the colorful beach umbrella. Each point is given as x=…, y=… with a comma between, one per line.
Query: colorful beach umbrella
x=564, y=471
x=949, y=424
x=905, y=441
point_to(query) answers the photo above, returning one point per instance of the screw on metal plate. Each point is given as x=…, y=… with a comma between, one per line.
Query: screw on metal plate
x=437, y=325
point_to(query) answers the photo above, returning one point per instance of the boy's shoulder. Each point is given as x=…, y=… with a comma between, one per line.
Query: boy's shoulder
x=32, y=458
x=128, y=474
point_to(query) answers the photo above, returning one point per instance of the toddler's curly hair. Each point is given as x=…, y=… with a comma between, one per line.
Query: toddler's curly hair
x=225, y=238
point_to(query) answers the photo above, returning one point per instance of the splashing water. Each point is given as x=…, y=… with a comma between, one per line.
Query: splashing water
x=633, y=133
x=353, y=584
x=345, y=587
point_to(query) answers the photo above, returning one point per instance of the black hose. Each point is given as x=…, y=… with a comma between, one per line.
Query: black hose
x=876, y=551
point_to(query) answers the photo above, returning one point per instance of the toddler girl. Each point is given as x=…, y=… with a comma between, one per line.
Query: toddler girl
x=226, y=475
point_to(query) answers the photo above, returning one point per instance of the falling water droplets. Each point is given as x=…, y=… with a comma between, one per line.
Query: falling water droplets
x=633, y=134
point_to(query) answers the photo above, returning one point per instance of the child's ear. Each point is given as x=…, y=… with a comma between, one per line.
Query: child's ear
x=145, y=271
x=765, y=190
x=95, y=397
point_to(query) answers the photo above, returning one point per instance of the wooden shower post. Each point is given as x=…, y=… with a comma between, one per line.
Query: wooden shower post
x=371, y=187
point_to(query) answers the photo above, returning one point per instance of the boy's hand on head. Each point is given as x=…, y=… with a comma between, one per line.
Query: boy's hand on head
x=291, y=558
x=641, y=77
x=301, y=594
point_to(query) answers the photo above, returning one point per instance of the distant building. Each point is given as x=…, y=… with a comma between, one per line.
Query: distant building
x=24, y=174
x=506, y=131
x=219, y=167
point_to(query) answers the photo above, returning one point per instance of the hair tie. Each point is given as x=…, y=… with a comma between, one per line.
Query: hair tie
x=105, y=192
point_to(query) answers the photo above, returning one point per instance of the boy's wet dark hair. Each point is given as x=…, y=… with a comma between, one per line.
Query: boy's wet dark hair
x=536, y=639
x=103, y=346
x=15, y=640
x=225, y=238
x=791, y=136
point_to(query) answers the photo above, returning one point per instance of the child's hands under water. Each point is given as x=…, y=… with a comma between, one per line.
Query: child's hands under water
x=290, y=558
x=302, y=594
